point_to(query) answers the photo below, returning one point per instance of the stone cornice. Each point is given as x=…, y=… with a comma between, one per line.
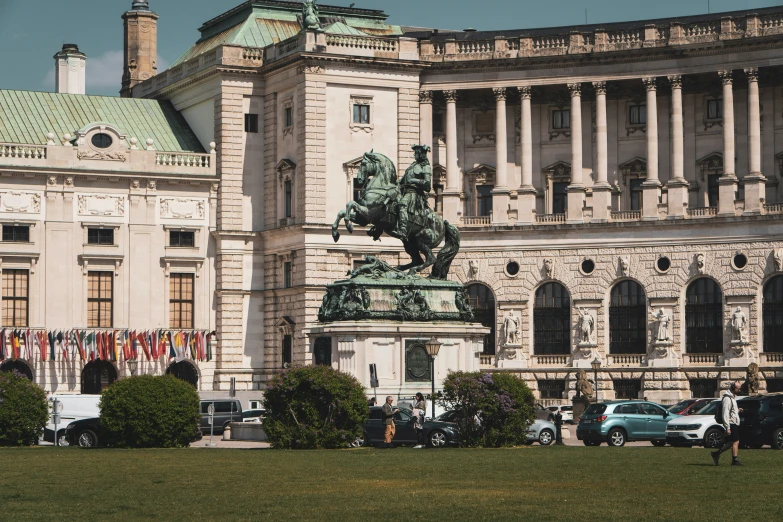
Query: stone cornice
x=43, y=172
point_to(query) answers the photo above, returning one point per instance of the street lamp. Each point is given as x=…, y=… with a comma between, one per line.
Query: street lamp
x=596, y=364
x=433, y=347
x=133, y=365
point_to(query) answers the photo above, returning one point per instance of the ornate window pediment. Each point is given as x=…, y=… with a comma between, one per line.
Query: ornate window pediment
x=286, y=169
x=352, y=167
x=481, y=174
x=634, y=168
x=710, y=164
x=439, y=174
x=558, y=171
x=286, y=325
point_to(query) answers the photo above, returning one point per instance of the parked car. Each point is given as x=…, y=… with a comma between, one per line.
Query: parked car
x=437, y=433
x=74, y=407
x=86, y=433
x=698, y=429
x=256, y=415
x=566, y=411
x=618, y=422
x=761, y=421
x=541, y=431
x=689, y=406
x=226, y=412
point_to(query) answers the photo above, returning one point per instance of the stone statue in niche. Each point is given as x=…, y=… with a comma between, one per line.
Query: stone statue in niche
x=738, y=326
x=586, y=327
x=511, y=328
x=700, y=262
x=473, y=269
x=777, y=255
x=549, y=268
x=662, y=328
x=625, y=266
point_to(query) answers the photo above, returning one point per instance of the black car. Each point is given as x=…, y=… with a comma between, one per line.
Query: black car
x=437, y=433
x=86, y=433
x=761, y=421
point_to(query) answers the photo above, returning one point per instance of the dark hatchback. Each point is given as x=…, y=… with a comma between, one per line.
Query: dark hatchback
x=86, y=433
x=761, y=421
x=437, y=433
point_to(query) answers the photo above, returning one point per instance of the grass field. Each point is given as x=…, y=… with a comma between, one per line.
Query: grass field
x=539, y=483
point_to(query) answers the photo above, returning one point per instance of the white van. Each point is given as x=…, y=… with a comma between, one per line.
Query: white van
x=74, y=407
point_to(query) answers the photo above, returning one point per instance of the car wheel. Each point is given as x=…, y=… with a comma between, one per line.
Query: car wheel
x=658, y=443
x=437, y=439
x=592, y=443
x=713, y=438
x=616, y=438
x=361, y=441
x=545, y=437
x=87, y=439
x=777, y=439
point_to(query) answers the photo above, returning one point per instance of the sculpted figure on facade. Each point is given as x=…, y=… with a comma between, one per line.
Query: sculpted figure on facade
x=752, y=380
x=777, y=255
x=700, y=262
x=662, y=327
x=625, y=266
x=511, y=328
x=310, y=15
x=738, y=324
x=473, y=269
x=586, y=327
x=549, y=268
x=584, y=390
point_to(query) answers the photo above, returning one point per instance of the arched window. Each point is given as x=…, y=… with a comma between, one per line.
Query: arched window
x=17, y=366
x=704, y=317
x=184, y=370
x=772, y=306
x=482, y=300
x=628, y=319
x=552, y=320
x=97, y=376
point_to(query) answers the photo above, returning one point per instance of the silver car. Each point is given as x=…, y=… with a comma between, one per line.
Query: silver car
x=541, y=431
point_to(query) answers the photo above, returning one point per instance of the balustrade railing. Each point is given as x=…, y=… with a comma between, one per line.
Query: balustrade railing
x=549, y=43
x=486, y=360
x=702, y=31
x=627, y=215
x=701, y=358
x=362, y=42
x=550, y=360
x=700, y=212
x=770, y=357
x=550, y=218
x=630, y=360
x=174, y=159
x=777, y=208
x=476, y=220
x=253, y=54
x=475, y=46
x=33, y=152
x=625, y=39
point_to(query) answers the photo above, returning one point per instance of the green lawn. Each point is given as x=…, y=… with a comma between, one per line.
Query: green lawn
x=539, y=483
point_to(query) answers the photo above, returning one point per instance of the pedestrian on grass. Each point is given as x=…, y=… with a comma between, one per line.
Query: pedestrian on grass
x=731, y=423
x=419, y=410
x=388, y=421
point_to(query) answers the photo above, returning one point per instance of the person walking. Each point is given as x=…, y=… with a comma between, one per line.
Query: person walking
x=731, y=423
x=419, y=410
x=388, y=421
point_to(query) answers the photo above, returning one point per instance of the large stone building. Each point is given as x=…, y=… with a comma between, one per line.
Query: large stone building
x=616, y=186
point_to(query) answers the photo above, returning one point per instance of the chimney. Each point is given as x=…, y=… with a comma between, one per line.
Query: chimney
x=141, y=46
x=69, y=70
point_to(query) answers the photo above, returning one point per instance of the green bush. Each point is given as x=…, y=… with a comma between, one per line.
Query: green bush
x=494, y=408
x=23, y=410
x=150, y=412
x=314, y=407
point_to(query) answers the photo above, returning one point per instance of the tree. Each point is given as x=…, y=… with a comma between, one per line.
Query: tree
x=314, y=407
x=494, y=409
x=23, y=410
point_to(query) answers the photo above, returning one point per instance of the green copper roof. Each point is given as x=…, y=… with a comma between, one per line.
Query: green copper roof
x=27, y=117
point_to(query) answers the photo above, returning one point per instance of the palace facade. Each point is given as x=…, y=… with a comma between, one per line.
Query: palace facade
x=616, y=188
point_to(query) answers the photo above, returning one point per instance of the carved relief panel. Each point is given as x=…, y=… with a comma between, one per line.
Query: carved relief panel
x=183, y=208
x=20, y=202
x=100, y=206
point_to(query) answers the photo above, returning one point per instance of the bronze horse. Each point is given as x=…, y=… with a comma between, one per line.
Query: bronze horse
x=377, y=207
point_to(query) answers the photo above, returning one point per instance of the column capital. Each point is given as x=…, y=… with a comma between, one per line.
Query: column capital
x=752, y=73
x=650, y=83
x=675, y=81
x=600, y=87
x=575, y=89
x=524, y=92
x=500, y=93
x=451, y=96
x=725, y=77
x=425, y=96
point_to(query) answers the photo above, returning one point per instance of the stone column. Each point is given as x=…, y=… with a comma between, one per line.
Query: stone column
x=576, y=190
x=677, y=185
x=755, y=188
x=602, y=191
x=526, y=199
x=727, y=184
x=651, y=188
x=425, y=119
x=501, y=193
x=451, y=193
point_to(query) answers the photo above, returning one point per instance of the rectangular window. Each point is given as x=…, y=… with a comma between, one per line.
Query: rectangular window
x=100, y=299
x=251, y=123
x=559, y=197
x=100, y=236
x=15, y=297
x=16, y=233
x=552, y=388
x=288, y=274
x=636, y=193
x=714, y=109
x=713, y=189
x=361, y=114
x=179, y=238
x=484, y=200
x=637, y=114
x=181, y=301
x=287, y=350
x=703, y=388
x=288, y=198
x=357, y=190
x=438, y=191
x=561, y=119
x=288, y=116
x=627, y=388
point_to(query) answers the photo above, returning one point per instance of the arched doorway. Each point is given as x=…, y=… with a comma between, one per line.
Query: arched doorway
x=482, y=301
x=97, y=376
x=552, y=320
x=185, y=371
x=772, y=306
x=628, y=319
x=17, y=365
x=704, y=317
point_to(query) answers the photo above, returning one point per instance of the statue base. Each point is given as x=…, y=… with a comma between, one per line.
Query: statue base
x=583, y=355
x=580, y=404
x=662, y=355
x=740, y=355
x=511, y=357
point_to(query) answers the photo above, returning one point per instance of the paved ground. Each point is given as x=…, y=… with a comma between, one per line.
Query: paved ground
x=232, y=444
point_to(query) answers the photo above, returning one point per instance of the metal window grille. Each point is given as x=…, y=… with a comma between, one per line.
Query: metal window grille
x=552, y=388
x=772, y=315
x=703, y=388
x=97, y=376
x=552, y=320
x=16, y=233
x=628, y=319
x=482, y=301
x=627, y=388
x=15, y=297
x=179, y=238
x=100, y=236
x=181, y=300
x=100, y=299
x=704, y=317
x=184, y=371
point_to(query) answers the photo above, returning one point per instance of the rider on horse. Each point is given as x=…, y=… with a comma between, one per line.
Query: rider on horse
x=415, y=186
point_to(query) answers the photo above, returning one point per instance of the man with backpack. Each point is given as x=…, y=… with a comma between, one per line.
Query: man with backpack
x=728, y=416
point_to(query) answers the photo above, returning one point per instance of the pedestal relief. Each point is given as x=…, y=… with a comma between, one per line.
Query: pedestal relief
x=20, y=202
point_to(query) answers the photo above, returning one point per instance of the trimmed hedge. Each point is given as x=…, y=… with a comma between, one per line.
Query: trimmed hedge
x=23, y=410
x=150, y=412
x=494, y=408
x=314, y=407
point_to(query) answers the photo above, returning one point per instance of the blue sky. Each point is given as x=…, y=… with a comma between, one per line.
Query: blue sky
x=31, y=31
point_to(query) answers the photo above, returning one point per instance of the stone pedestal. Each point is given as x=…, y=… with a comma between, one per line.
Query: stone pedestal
x=501, y=197
x=651, y=196
x=740, y=355
x=451, y=206
x=576, y=202
x=755, y=193
x=511, y=356
x=662, y=355
x=678, y=198
x=526, y=205
x=727, y=190
x=580, y=404
x=584, y=355
x=602, y=202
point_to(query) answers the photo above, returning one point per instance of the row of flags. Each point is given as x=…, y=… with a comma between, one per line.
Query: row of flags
x=105, y=345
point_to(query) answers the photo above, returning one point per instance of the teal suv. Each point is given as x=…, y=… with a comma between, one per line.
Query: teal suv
x=618, y=422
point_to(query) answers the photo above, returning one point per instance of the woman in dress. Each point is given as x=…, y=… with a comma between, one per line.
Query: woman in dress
x=419, y=409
